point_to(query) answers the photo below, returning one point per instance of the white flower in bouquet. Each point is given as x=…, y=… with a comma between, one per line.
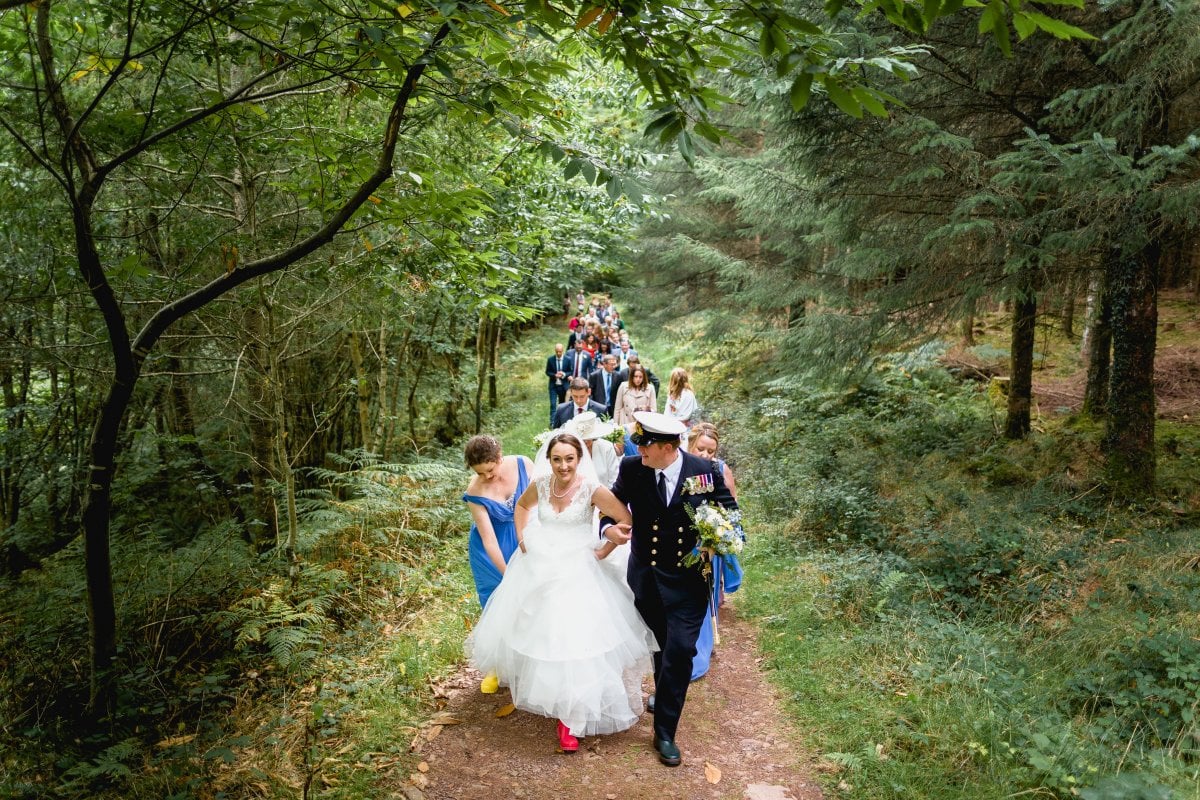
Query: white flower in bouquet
x=718, y=531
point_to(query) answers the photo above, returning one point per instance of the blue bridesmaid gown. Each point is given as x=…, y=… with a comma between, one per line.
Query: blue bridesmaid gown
x=729, y=570
x=487, y=577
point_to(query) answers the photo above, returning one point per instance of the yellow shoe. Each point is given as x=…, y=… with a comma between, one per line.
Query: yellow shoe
x=491, y=684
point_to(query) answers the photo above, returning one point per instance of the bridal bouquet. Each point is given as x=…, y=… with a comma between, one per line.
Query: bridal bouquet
x=719, y=532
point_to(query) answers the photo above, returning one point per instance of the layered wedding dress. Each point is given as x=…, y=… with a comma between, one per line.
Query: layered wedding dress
x=561, y=631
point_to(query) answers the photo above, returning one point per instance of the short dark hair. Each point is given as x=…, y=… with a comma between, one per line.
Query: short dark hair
x=580, y=383
x=481, y=449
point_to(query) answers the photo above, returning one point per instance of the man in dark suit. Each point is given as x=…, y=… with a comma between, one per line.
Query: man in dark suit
x=604, y=382
x=558, y=379
x=577, y=362
x=580, y=402
x=671, y=597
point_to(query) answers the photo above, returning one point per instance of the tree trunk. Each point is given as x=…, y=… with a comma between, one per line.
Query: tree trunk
x=382, y=413
x=363, y=386
x=1129, y=436
x=1020, y=388
x=82, y=179
x=493, y=359
x=482, y=332
x=1097, y=347
x=1068, y=312
x=448, y=430
x=283, y=464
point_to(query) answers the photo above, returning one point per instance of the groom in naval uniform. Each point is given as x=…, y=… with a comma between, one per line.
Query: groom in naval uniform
x=672, y=598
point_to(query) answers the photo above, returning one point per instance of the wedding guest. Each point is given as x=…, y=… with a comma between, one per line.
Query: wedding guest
x=623, y=352
x=556, y=373
x=491, y=496
x=580, y=402
x=681, y=400
x=616, y=321
x=634, y=394
x=703, y=440
x=603, y=383
x=634, y=358
x=587, y=676
x=591, y=345
x=578, y=363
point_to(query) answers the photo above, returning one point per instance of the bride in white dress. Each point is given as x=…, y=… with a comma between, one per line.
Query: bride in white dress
x=560, y=631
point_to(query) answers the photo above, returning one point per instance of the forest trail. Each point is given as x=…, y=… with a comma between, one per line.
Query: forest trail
x=732, y=721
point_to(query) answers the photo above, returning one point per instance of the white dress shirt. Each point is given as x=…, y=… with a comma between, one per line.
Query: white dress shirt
x=671, y=471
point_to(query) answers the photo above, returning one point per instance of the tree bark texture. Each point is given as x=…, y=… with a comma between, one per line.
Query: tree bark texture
x=482, y=346
x=1097, y=347
x=493, y=360
x=1129, y=436
x=1020, y=388
x=363, y=385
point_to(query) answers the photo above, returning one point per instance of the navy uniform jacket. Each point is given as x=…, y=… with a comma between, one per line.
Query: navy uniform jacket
x=662, y=536
x=671, y=597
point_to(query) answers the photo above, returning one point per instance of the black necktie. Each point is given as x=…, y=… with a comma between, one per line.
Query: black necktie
x=662, y=488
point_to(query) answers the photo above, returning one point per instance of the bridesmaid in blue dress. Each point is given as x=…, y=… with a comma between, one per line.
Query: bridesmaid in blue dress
x=702, y=441
x=491, y=497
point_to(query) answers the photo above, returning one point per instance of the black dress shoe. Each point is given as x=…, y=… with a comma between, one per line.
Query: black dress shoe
x=668, y=753
x=650, y=704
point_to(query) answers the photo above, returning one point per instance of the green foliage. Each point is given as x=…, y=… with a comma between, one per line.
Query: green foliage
x=288, y=617
x=930, y=595
x=1146, y=691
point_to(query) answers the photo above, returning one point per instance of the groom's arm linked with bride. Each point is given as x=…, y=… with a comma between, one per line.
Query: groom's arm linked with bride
x=671, y=596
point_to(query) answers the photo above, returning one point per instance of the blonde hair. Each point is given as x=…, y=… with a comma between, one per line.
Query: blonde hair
x=703, y=429
x=679, y=381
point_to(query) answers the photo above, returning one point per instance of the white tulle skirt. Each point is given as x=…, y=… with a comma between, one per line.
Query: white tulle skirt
x=562, y=633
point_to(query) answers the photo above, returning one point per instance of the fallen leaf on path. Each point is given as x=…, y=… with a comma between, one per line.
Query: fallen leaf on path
x=444, y=718
x=423, y=767
x=711, y=773
x=506, y=710
x=433, y=732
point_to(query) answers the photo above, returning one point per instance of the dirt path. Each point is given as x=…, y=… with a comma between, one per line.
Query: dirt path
x=731, y=722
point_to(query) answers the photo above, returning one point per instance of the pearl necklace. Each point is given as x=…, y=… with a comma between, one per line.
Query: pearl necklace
x=565, y=491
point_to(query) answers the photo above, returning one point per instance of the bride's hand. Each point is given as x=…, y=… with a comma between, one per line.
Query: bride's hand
x=618, y=533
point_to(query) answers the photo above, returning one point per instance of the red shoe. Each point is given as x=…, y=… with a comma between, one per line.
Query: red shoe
x=566, y=741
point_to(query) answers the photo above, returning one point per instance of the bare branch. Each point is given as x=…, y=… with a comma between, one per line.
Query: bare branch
x=168, y=314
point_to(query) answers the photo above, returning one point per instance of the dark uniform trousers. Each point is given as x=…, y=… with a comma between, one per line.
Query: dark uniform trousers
x=671, y=597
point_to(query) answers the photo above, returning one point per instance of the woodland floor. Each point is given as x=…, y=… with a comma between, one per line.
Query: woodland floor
x=1058, y=388
x=1176, y=386
x=735, y=740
